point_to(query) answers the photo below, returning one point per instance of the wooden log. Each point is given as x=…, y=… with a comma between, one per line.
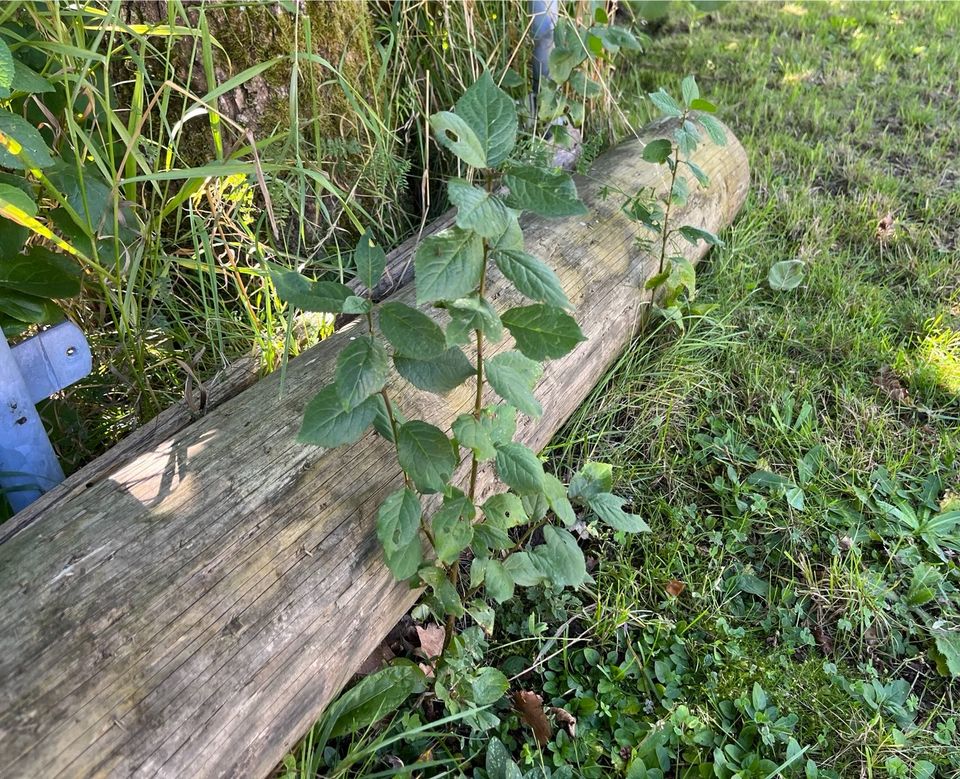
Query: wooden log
x=192, y=612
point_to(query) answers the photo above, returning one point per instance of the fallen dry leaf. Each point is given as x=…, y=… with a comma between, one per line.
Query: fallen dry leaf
x=887, y=381
x=885, y=229
x=529, y=706
x=431, y=645
x=565, y=720
x=675, y=587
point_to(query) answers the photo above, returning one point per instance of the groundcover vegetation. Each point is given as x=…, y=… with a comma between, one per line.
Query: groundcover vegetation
x=791, y=443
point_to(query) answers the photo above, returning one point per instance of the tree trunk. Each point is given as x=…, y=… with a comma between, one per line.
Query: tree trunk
x=191, y=611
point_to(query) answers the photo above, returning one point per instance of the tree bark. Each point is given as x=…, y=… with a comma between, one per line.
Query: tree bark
x=191, y=611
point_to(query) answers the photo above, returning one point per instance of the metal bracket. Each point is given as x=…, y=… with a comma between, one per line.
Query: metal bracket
x=29, y=372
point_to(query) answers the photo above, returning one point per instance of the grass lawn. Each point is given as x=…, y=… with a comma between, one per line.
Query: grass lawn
x=793, y=451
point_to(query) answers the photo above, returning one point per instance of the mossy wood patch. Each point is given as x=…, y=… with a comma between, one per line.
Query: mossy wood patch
x=190, y=610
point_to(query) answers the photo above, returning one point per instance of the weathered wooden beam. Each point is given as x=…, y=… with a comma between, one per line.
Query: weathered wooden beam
x=190, y=612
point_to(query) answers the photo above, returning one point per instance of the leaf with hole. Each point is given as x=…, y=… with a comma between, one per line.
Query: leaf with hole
x=426, y=455
x=544, y=192
x=451, y=526
x=505, y=510
x=448, y=265
x=513, y=377
x=491, y=114
x=786, y=275
x=438, y=374
x=362, y=368
x=542, y=332
x=532, y=277
x=454, y=133
x=411, y=332
x=327, y=423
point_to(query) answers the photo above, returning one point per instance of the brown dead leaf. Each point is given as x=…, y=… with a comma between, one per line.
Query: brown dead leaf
x=529, y=706
x=431, y=645
x=885, y=228
x=888, y=381
x=565, y=720
x=675, y=587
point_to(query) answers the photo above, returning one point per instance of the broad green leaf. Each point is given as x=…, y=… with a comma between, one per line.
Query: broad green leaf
x=512, y=237
x=19, y=139
x=438, y=374
x=688, y=137
x=411, y=332
x=491, y=114
x=681, y=191
x=381, y=421
x=473, y=435
x=488, y=686
x=561, y=558
x=373, y=697
x=543, y=192
x=41, y=272
x=362, y=368
x=665, y=103
x=451, y=526
x=511, y=79
x=786, y=275
x=513, y=377
x=470, y=314
x=747, y=582
x=6, y=65
x=699, y=173
x=498, y=581
x=455, y=133
x=610, y=509
x=683, y=274
x=426, y=455
x=689, y=90
x=483, y=615
x=542, y=332
x=583, y=85
x=657, y=151
x=403, y=562
x=398, y=519
x=28, y=308
x=518, y=467
x=370, y=260
x=500, y=421
x=568, y=51
x=615, y=38
x=326, y=423
x=477, y=209
x=300, y=292
x=487, y=537
x=714, y=129
x=526, y=569
x=505, y=510
x=27, y=80
x=535, y=504
x=699, y=104
x=448, y=265
x=532, y=277
x=556, y=495
x=87, y=193
x=357, y=305
x=592, y=479
x=443, y=589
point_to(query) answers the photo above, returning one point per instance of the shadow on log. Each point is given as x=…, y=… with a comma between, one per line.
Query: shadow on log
x=190, y=611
